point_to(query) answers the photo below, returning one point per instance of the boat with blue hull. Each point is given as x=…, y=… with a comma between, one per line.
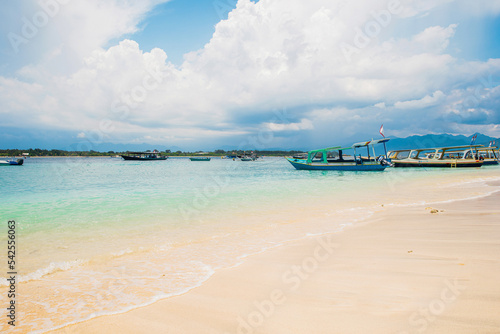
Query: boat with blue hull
x=334, y=158
x=17, y=162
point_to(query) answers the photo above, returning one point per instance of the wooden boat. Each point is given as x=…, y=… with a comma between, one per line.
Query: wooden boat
x=17, y=162
x=199, y=159
x=247, y=158
x=143, y=156
x=443, y=157
x=334, y=158
x=490, y=155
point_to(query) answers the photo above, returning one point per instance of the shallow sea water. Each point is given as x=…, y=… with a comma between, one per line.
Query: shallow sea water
x=102, y=235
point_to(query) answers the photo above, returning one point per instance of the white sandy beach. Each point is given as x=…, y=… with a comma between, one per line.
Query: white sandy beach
x=405, y=270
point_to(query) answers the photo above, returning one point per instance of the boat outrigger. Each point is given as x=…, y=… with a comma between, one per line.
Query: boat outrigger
x=155, y=155
x=334, y=158
x=453, y=156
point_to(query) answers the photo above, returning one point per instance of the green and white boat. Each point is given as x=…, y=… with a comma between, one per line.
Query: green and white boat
x=334, y=158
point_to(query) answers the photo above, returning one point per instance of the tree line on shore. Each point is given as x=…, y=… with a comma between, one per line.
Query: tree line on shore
x=63, y=153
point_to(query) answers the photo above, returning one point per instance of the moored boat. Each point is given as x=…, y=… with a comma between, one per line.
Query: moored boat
x=440, y=157
x=16, y=162
x=334, y=158
x=490, y=155
x=143, y=156
x=199, y=159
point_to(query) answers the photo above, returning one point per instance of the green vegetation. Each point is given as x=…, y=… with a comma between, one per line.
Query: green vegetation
x=62, y=153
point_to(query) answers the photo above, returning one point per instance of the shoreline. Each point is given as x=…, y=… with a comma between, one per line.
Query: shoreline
x=268, y=292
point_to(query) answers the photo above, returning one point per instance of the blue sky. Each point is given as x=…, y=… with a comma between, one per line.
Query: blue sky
x=180, y=26
x=289, y=74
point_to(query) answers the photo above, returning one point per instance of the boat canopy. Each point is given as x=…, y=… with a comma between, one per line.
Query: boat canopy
x=487, y=148
x=153, y=152
x=371, y=142
x=442, y=148
x=324, y=151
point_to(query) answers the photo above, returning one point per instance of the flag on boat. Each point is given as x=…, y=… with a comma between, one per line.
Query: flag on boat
x=382, y=130
x=491, y=143
x=473, y=140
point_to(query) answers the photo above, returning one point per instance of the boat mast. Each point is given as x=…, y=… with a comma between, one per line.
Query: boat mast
x=373, y=148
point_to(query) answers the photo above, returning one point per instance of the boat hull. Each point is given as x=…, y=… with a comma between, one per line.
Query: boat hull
x=342, y=166
x=126, y=157
x=18, y=162
x=438, y=164
x=199, y=159
x=490, y=162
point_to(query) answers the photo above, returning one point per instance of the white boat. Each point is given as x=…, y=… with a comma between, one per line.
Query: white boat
x=17, y=162
x=452, y=156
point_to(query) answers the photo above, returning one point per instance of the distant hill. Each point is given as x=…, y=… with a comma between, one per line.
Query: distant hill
x=430, y=141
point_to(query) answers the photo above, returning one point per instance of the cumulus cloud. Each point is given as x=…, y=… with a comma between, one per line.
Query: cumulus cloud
x=267, y=56
x=304, y=124
x=424, y=102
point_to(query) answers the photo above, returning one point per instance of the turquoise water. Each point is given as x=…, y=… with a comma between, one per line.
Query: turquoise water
x=117, y=234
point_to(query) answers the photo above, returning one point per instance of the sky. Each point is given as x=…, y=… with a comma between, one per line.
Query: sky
x=203, y=75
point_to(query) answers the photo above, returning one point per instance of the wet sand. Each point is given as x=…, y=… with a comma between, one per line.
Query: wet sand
x=405, y=270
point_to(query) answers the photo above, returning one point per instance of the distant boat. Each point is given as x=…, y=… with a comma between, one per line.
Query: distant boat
x=199, y=159
x=450, y=157
x=247, y=158
x=143, y=156
x=334, y=158
x=17, y=162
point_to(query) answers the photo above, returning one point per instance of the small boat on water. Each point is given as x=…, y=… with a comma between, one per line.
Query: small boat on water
x=143, y=156
x=334, y=158
x=16, y=162
x=199, y=159
x=246, y=158
x=451, y=157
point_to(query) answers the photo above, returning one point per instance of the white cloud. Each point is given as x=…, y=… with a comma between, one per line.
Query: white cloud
x=424, y=102
x=304, y=124
x=267, y=55
x=435, y=39
x=72, y=30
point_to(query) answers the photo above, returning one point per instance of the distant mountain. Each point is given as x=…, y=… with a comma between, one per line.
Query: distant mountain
x=430, y=141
